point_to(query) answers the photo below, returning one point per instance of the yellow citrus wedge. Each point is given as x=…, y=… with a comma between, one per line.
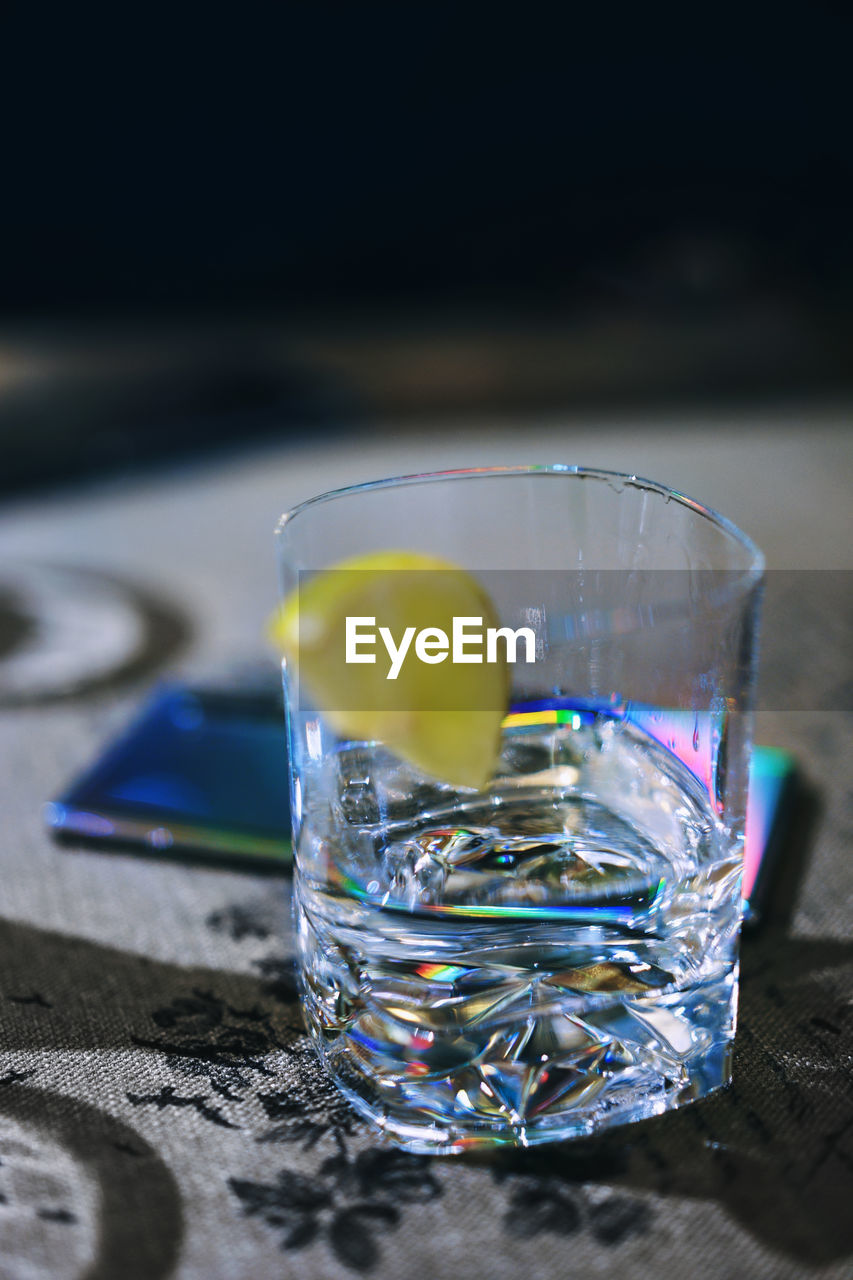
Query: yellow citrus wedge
x=444, y=717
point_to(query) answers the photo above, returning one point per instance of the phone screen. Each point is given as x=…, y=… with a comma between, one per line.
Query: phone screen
x=203, y=773
x=200, y=773
x=772, y=791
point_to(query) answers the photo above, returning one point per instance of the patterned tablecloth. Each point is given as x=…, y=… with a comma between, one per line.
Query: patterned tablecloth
x=161, y=1112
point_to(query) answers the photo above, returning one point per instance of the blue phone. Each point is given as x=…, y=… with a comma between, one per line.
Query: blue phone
x=202, y=773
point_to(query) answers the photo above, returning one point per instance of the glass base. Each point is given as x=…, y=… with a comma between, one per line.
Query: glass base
x=517, y=1093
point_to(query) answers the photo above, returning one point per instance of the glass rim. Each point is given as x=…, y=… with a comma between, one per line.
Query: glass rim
x=753, y=569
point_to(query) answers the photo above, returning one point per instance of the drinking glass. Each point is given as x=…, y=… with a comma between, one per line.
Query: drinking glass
x=555, y=951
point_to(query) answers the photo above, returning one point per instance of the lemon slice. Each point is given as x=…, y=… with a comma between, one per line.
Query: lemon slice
x=444, y=717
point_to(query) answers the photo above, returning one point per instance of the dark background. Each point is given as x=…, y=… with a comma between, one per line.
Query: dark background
x=224, y=225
